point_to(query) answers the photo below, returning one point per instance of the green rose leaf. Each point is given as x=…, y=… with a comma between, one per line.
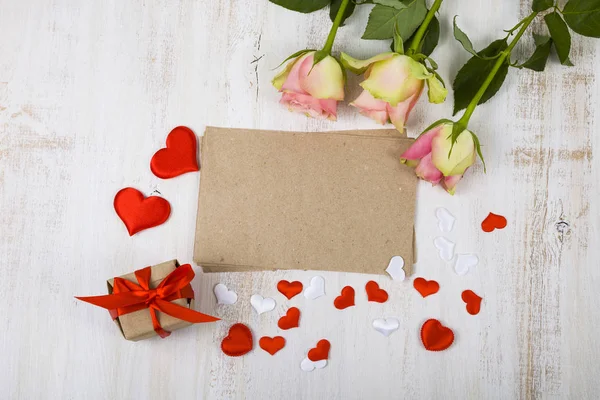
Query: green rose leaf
x=583, y=16
x=537, y=61
x=560, y=36
x=303, y=6
x=335, y=6
x=382, y=20
x=397, y=4
x=463, y=39
x=472, y=75
x=541, y=5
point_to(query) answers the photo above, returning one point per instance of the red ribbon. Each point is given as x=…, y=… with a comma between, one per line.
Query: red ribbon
x=128, y=297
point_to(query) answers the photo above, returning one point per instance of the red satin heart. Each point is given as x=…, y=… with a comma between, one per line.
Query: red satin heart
x=321, y=352
x=238, y=342
x=493, y=221
x=472, y=300
x=374, y=293
x=345, y=300
x=179, y=157
x=290, y=319
x=425, y=287
x=139, y=213
x=289, y=289
x=435, y=336
x=271, y=345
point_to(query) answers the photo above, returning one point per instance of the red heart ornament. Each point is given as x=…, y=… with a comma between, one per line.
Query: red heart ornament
x=345, y=300
x=271, y=345
x=425, y=287
x=321, y=352
x=179, y=157
x=138, y=212
x=435, y=336
x=374, y=293
x=473, y=301
x=493, y=221
x=290, y=319
x=238, y=342
x=289, y=289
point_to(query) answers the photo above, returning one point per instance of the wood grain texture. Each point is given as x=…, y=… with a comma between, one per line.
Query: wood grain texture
x=89, y=91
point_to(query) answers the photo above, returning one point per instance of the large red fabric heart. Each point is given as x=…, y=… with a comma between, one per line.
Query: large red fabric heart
x=290, y=319
x=321, y=352
x=238, y=342
x=425, y=287
x=374, y=293
x=271, y=345
x=493, y=221
x=289, y=289
x=345, y=300
x=178, y=157
x=435, y=336
x=139, y=213
x=472, y=300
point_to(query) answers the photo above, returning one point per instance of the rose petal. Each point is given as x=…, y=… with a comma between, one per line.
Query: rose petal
x=292, y=82
x=324, y=80
x=427, y=171
x=422, y=146
x=399, y=114
x=449, y=183
x=360, y=66
x=461, y=157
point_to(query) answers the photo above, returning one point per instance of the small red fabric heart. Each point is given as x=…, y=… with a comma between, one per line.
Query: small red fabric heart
x=374, y=293
x=493, y=221
x=271, y=345
x=139, y=213
x=345, y=300
x=473, y=301
x=238, y=342
x=435, y=336
x=289, y=289
x=179, y=157
x=425, y=287
x=290, y=319
x=321, y=352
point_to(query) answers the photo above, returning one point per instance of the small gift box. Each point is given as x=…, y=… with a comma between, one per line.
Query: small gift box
x=152, y=301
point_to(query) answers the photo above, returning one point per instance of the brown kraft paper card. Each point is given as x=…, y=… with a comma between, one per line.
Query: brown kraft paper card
x=333, y=201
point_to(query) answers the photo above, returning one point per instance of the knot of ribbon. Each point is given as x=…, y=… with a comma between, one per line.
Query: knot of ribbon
x=128, y=297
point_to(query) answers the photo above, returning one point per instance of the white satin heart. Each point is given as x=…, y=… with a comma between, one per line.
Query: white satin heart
x=308, y=365
x=445, y=248
x=395, y=268
x=261, y=304
x=464, y=262
x=386, y=326
x=316, y=288
x=445, y=219
x=224, y=295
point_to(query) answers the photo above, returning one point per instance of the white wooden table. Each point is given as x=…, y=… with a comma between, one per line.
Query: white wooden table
x=88, y=92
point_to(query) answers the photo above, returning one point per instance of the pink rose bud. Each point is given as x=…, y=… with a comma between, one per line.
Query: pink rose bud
x=432, y=160
x=393, y=84
x=313, y=90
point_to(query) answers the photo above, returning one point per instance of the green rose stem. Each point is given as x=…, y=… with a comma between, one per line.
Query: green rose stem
x=414, y=45
x=336, y=24
x=524, y=24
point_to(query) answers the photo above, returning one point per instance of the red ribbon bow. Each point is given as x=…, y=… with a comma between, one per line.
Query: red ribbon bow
x=128, y=297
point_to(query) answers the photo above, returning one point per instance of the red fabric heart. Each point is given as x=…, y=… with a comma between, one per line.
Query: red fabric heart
x=435, y=336
x=139, y=213
x=321, y=352
x=374, y=293
x=289, y=289
x=473, y=301
x=290, y=319
x=425, y=287
x=238, y=342
x=271, y=345
x=345, y=300
x=493, y=221
x=178, y=157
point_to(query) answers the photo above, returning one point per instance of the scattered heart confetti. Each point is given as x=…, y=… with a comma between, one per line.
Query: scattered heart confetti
x=290, y=319
x=321, y=352
x=435, y=336
x=316, y=288
x=425, y=287
x=224, y=295
x=395, y=268
x=289, y=289
x=493, y=221
x=445, y=219
x=445, y=248
x=271, y=345
x=307, y=365
x=472, y=300
x=386, y=326
x=374, y=293
x=138, y=212
x=178, y=157
x=345, y=299
x=262, y=305
x=464, y=262
x=238, y=342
